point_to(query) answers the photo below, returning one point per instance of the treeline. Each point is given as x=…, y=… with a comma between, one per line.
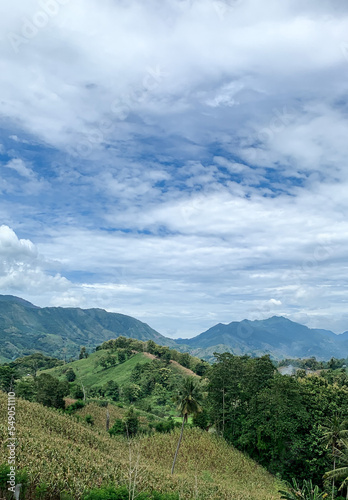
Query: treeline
x=122, y=348
x=313, y=364
x=279, y=420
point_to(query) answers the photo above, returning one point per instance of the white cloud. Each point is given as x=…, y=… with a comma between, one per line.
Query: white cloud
x=182, y=161
x=22, y=269
x=19, y=166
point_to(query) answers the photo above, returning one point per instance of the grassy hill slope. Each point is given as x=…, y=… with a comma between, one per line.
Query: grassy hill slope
x=71, y=456
x=91, y=374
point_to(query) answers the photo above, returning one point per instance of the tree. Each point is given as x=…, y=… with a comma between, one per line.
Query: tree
x=83, y=353
x=333, y=432
x=26, y=388
x=151, y=346
x=201, y=368
x=341, y=472
x=122, y=355
x=131, y=392
x=50, y=391
x=189, y=403
x=112, y=390
x=77, y=391
x=70, y=375
x=107, y=360
x=7, y=376
x=131, y=422
x=201, y=419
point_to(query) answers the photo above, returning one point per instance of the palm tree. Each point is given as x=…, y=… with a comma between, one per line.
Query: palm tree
x=307, y=492
x=341, y=472
x=188, y=400
x=333, y=433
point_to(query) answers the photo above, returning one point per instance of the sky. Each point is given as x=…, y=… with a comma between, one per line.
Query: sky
x=180, y=161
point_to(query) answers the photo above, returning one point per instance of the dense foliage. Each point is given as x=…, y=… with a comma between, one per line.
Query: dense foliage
x=277, y=419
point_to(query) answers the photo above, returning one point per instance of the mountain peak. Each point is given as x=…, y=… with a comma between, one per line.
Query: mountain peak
x=16, y=300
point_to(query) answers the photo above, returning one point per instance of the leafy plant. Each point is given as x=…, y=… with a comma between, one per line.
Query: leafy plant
x=307, y=492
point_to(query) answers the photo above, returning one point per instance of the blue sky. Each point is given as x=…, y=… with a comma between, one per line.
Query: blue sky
x=182, y=161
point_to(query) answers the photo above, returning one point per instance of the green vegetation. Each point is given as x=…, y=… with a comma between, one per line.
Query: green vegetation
x=60, y=332
x=134, y=395
x=293, y=425
x=307, y=492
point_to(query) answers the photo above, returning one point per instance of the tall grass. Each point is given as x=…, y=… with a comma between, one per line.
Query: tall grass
x=70, y=456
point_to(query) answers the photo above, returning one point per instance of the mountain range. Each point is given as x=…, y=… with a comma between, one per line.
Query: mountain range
x=277, y=336
x=61, y=331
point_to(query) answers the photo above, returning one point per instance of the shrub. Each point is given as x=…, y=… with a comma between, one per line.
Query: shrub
x=166, y=426
x=75, y=406
x=77, y=392
x=70, y=375
x=21, y=478
x=109, y=493
x=118, y=428
x=89, y=419
x=41, y=490
x=4, y=470
x=122, y=493
x=201, y=419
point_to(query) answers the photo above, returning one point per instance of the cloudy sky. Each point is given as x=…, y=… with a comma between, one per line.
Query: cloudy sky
x=180, y=161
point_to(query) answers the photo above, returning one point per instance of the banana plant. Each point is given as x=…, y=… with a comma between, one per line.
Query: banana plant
x=307, y=492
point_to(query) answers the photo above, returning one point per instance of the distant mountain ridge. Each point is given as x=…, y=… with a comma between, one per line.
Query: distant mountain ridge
x=277, y=336
x=61, y=331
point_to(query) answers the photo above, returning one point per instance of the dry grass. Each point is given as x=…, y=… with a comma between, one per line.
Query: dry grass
x=73, y=456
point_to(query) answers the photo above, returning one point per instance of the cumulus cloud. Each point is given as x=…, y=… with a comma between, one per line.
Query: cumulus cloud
x=182, y=161
x=22, y=269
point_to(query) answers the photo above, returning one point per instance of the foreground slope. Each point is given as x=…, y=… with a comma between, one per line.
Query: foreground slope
x=60, y=331
x=71, y=456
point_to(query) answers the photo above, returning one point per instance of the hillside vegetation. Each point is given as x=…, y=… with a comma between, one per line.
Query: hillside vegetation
x=83, y=457
x=60, y=331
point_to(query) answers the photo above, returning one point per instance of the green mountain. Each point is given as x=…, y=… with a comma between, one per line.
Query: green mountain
x=277, y=336
x=60, y=332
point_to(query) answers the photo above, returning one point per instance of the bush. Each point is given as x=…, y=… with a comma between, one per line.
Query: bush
x=201, y=419
x=70, y=375
x=166, y=426
x=21, y=478
x=75, y=406
x=109, y=493
x=89, y=419
x=77, y=392
x=4, y=470
x=118, y=428
x=41, y=490
x=112, y=493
